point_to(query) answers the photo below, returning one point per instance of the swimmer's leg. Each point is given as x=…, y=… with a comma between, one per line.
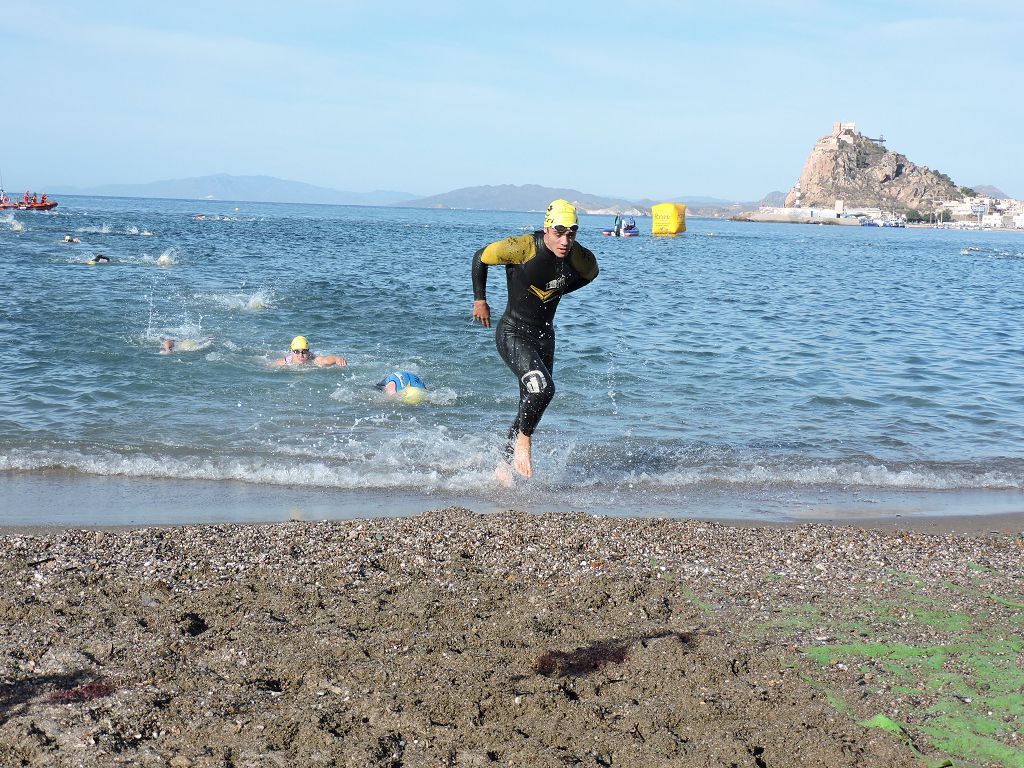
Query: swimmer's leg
x=504, y=474
x=530, y=355
x=515, y=457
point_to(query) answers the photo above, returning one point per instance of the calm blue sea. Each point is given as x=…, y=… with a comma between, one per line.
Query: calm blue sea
x=739, y=369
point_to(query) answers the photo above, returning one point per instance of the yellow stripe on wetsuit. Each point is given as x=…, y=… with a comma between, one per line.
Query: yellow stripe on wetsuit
x=511, y=250
x=519, y=250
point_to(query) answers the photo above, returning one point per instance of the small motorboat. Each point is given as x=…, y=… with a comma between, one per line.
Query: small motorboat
x=28, y=203
x=625, y=226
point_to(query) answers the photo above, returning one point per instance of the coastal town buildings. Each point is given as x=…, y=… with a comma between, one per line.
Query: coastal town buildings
x=983, y=213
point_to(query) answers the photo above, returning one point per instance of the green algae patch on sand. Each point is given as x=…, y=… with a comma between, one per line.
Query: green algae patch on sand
x=933, y=657
x=977, y=683
x=800, y=617
x=948, y=621
x=955, y=737
x=886, y=724
x=1008, y=603
x=706, y=608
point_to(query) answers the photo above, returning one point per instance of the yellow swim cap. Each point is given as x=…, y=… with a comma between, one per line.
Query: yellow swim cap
x=561, y=213
x=300, y=342
x=412, y=395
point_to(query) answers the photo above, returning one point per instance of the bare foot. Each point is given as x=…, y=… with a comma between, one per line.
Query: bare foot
x=521, y=462
x=504, y=474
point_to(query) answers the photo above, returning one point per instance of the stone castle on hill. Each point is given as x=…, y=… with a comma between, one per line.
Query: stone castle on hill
x=848, y=169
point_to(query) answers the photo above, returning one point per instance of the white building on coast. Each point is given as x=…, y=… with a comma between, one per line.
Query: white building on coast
x=984, y=212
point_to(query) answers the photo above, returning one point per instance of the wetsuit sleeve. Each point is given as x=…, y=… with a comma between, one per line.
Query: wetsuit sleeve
x=511, y=250
x=584, y=263
x=479, y=277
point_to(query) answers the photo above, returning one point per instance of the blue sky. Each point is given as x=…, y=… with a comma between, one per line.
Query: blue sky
x=653, y=99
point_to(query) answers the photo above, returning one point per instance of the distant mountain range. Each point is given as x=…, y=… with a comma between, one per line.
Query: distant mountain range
x=776, y=199
x=510, y=197
x=502, y=197
x=990, y=191
x=533, y=197
x=256, y=189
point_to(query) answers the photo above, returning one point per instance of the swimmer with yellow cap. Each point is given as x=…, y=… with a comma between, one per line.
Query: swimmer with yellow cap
x=99, y=258
x=301, y=354
x=540, y=269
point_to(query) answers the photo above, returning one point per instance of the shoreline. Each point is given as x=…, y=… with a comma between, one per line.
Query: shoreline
x=54, y=500
x=1005, y=524
x=453, y=638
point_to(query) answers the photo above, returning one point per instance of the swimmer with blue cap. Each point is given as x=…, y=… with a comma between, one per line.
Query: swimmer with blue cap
x=404, y=385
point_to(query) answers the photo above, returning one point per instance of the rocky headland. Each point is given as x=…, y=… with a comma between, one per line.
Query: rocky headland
x=846, y=165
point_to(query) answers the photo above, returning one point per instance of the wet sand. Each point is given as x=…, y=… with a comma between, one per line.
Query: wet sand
x=456, y=639
x=58, y=499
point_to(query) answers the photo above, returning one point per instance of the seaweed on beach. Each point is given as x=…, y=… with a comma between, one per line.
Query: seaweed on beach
x=97, y=689
x=589, y=658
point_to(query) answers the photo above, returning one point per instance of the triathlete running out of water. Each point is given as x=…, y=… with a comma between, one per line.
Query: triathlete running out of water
x=540, y=268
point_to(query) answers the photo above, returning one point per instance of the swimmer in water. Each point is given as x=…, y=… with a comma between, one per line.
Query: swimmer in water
x=99, y=258
x=404, y=385
x=184, y=345
x=301, y=354
x=71, y=239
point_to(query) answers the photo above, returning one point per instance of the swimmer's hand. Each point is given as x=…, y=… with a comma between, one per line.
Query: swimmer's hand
x=482, y=312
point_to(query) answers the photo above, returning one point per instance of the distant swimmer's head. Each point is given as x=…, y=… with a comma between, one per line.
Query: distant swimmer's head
x=185, y=345
x=560, y=227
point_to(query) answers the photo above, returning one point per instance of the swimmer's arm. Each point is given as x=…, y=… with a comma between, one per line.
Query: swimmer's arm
x=481, y=310
x=479, y=272
x=511, y=250
x=326, y=360
x=584, y=263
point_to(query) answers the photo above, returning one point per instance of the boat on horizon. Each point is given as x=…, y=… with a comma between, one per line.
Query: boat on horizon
x=28, y=203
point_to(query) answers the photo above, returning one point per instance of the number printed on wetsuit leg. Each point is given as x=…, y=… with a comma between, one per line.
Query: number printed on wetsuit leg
x=534, y=381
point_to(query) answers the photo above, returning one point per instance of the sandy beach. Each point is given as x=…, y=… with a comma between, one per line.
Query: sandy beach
x=456, y=639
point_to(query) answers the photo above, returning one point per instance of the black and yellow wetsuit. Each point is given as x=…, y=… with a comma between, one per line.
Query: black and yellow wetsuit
x=537, y=280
